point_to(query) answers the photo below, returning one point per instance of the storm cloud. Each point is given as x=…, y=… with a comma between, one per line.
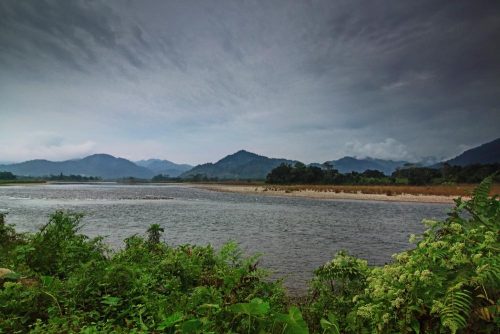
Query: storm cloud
x=192, y=81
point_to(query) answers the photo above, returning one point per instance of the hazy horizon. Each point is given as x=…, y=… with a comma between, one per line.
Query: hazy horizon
x=194, y=81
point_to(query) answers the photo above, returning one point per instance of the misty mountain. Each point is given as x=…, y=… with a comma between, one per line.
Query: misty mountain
x=100, y=165
x=488, y=153
x=164, y=167
x=351, y=164
x=240, y=165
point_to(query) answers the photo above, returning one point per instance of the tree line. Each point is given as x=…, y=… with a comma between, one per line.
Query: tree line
x=71, y=177
x=327, y=174
x=59, y=177
x=7, y=176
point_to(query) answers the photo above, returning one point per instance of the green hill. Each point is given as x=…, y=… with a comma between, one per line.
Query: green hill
x=488, y=153
x=242, y=165
x=101, y=165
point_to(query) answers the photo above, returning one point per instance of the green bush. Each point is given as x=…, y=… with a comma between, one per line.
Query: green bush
x=58, y=249
x=448, y=283
x=333, y=288
x=73, y=284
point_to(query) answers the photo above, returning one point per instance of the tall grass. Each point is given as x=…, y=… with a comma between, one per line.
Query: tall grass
x=438, y=190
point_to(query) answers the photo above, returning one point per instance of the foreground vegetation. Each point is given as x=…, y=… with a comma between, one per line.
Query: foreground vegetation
x=59, y=281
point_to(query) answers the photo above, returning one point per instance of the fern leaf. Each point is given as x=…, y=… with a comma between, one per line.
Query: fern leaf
x=480, y=194
x=456, y=311
x=488, y=274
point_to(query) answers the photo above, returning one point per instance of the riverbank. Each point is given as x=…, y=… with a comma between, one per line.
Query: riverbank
x=20, y=182
x=423, y=194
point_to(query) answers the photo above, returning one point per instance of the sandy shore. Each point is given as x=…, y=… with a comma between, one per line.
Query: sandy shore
x=263, y=190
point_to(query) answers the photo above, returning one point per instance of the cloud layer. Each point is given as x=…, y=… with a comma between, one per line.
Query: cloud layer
x=192, y=81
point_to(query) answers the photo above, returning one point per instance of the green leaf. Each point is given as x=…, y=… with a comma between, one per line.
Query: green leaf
x=191, y=326
x=294, y=323
x=110, y=300
x=480, y=193
x=415, y=325
x=325, y=324
x=256, y=307
x=47, y=281
x=170, y=320
x=331, y=325
x=456, y=311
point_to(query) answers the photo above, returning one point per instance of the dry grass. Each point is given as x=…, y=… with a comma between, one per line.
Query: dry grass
x=437, y=190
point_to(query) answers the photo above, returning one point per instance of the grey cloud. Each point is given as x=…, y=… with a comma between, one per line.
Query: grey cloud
x=72, y=33
x=284, y=71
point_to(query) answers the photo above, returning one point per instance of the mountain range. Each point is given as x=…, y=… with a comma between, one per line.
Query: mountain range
x=351, y=164
x=240, y=165
x=104, y=166
x=164, y=167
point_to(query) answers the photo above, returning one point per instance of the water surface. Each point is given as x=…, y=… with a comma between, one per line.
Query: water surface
x=295, y=235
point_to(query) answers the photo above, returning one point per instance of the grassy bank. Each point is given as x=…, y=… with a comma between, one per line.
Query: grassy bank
x=424, y=194
x=59, y=281
x=430, y=190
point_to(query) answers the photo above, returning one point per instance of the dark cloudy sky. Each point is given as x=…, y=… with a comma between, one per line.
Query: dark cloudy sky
x=192, y=81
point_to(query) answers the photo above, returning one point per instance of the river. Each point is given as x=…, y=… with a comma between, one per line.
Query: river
x=294, y=235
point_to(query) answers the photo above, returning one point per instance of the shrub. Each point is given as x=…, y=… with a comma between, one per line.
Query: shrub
x=146, y=287
x=448, y=283
x=57, y=249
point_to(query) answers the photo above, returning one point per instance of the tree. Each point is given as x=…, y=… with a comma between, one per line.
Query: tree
x=373, y=173
x=154, y=233
x=328, y=165
x=7, y=176
x=417, y=175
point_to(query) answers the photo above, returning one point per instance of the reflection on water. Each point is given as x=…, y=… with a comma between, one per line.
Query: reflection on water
x=295, y=235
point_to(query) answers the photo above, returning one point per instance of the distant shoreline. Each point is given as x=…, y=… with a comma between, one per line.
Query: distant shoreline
x=20, y=182
x=444, y=194
x=328, y=194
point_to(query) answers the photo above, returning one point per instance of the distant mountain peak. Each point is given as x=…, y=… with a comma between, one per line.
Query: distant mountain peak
x=244, y=152
x=239, y=165
x=99, y=156
x=240, y=156
x=164, y=167
x=347, y=158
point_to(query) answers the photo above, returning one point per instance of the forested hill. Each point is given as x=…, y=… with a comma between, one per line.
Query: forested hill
x=488, y=153
x=241, y=165
x=98, y=165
